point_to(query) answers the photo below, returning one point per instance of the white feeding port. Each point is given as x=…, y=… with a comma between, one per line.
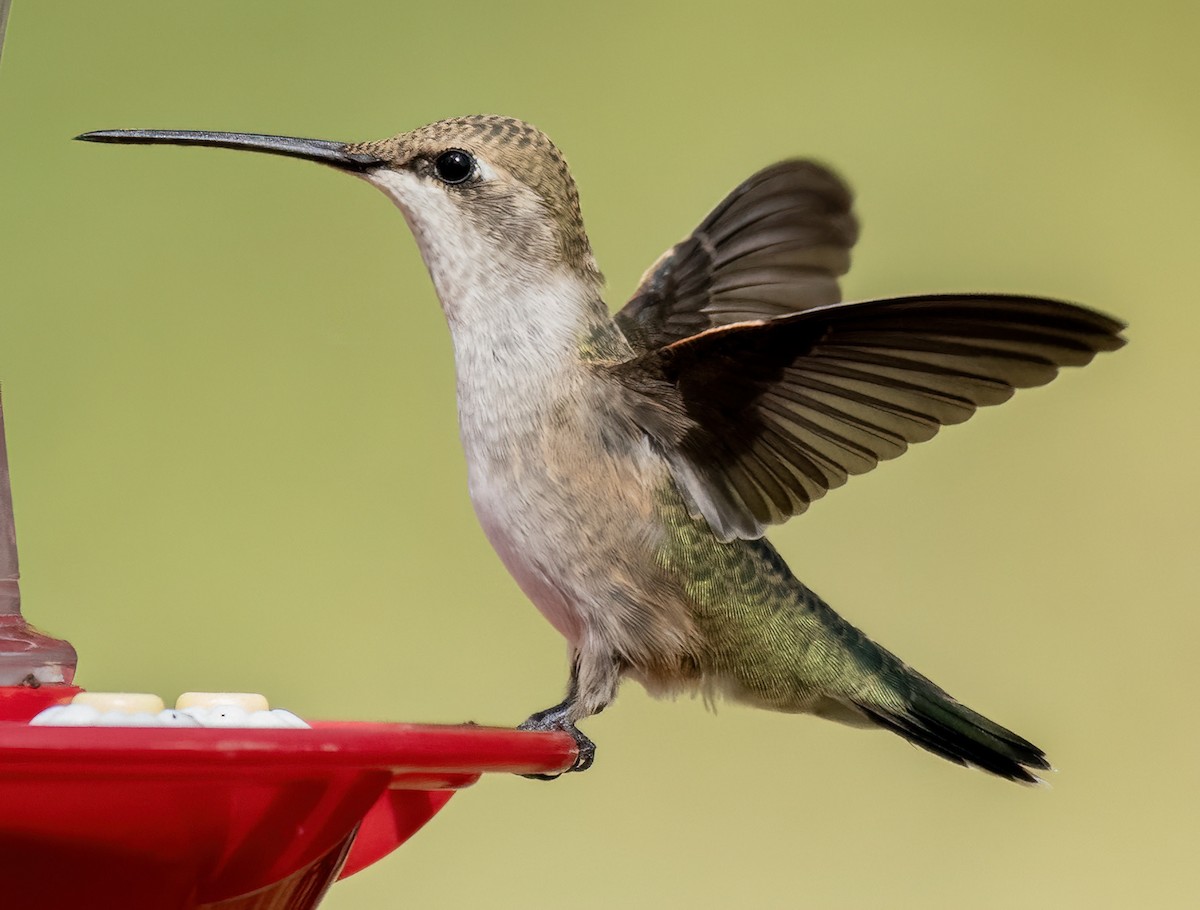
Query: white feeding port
x=193, y=709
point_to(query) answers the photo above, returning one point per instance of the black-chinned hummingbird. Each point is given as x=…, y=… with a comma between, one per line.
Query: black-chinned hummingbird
x=625, y=468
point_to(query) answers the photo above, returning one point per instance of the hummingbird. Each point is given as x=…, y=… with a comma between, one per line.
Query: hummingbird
x=625, y=467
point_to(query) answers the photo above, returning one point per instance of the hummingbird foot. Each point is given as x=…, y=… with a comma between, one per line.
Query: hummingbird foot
x=556, y=720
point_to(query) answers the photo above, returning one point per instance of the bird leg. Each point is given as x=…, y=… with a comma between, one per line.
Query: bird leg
x=592, y=687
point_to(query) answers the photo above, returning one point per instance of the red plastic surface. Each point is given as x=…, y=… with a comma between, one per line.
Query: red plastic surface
x=23, y=702
x=163, y=818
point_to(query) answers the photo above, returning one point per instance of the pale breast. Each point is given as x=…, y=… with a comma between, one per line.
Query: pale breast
x=566, y=497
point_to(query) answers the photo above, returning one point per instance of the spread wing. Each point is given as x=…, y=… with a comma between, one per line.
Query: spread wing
x=776, y=244
x=760, y=418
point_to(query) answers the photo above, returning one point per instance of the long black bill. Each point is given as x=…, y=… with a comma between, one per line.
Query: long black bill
x=320, y=150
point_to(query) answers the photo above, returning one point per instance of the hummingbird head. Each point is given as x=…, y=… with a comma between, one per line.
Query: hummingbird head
x=485, y=181
x=480, y=191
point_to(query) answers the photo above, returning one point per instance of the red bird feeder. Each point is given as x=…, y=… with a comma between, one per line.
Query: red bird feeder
x=194, y=818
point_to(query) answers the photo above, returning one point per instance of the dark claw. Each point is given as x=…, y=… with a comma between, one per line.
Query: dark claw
x=554, y=720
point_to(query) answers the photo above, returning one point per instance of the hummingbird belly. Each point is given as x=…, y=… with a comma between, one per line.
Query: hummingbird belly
x=569, y=505
x=529, y=577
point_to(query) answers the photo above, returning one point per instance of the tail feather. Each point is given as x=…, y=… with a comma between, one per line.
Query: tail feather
x=934, y=721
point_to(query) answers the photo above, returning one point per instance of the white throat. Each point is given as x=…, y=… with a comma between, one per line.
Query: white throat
x=516, y=326
x=482, y=288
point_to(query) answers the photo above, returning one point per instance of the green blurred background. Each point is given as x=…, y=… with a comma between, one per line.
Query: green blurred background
x=230, y=405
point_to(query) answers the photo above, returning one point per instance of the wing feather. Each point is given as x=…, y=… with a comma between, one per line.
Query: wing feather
x=760, y=418
x=776, y=244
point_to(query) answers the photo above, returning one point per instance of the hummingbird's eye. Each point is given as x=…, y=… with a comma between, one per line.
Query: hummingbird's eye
x=454, y=166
